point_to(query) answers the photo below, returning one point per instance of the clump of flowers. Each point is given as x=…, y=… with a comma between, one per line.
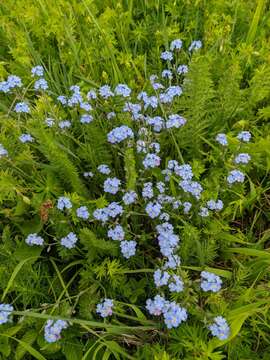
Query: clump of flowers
x=5, y=313
x=220, y=328
x=53, y=329
x=158, y=193
x=104, y=309
x=34, y=239
x=210, y=282
x=64, y=203
x=69, y=241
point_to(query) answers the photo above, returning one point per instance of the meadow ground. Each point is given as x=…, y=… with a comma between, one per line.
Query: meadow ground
x=134, y=179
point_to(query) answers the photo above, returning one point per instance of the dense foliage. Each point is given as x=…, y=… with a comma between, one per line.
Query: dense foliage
x=179, y=165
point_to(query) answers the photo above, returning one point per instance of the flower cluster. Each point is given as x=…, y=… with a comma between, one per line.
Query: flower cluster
x=163, y=188
x=11, y=83
x=5, y=312
x=3, y=151
x=69, y=241
x=220, y=328
x=34, y=239
x=210, y=282
x=104, y=308
x=119, y=134
x=82, y=212
x=52, y=330
x=64, y=203
x=173, y=314
x=236, y=176
x=111, y=185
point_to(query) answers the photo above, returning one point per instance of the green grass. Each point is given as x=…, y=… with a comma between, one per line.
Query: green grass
x=92, y=43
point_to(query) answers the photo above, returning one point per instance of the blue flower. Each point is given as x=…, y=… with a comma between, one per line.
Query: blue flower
x=34, y=239
x=147, y=191
x=104, y=169
x=182, y=69
x=192, y=187
x=210, y=282
x=122, y=89
x=111, y=115
x=176, y=204
x=62, y=99
x=166, y=55
x=91, y=95
x=64, y=203
x=22, y=107
x=156, y=306
x=161, y=278
x=41, y=84
x=69, y=241
x=164, y=217
x=242, y=158
x=215, y=205
x=3, y=151
x=203, y=212
x=12, y=82
x=64, y=124
x=155, y=146
x=174, y=315
x=153, y=209
x=24, y=138
x=235, y=176
x=176, y=44
x=184, y=171
x=119, y=134
x=141, y=146
x=82, y=212
x=175, y=121
x=101, y=214
x=222, y=139
x=168, y=96
x=187, y=206
x=53, y=330
x=157, y=122
x=195, y=45
x=167, y=240
x=128, y=248
x=105, y=91
x=75, y=99
x=220, y=328
x=161, y=187
x=112, y=210
x=130, y=197
x=111, y=185
x=116, y=233
x=177, y=284
x=5, y=312
x=173, y=262
x=87, y=174
x=157, y=86
x=49, y=122
x=4, y=86
x=151, y=161
x=167, y=74
x=104, y=308
x=75, y=88
x=37, y=70
x=151, y=101
x=244, y=136
x=86, y=119
x=85, y=106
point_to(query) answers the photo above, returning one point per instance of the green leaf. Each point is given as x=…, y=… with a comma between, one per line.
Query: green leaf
x=29, y=338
